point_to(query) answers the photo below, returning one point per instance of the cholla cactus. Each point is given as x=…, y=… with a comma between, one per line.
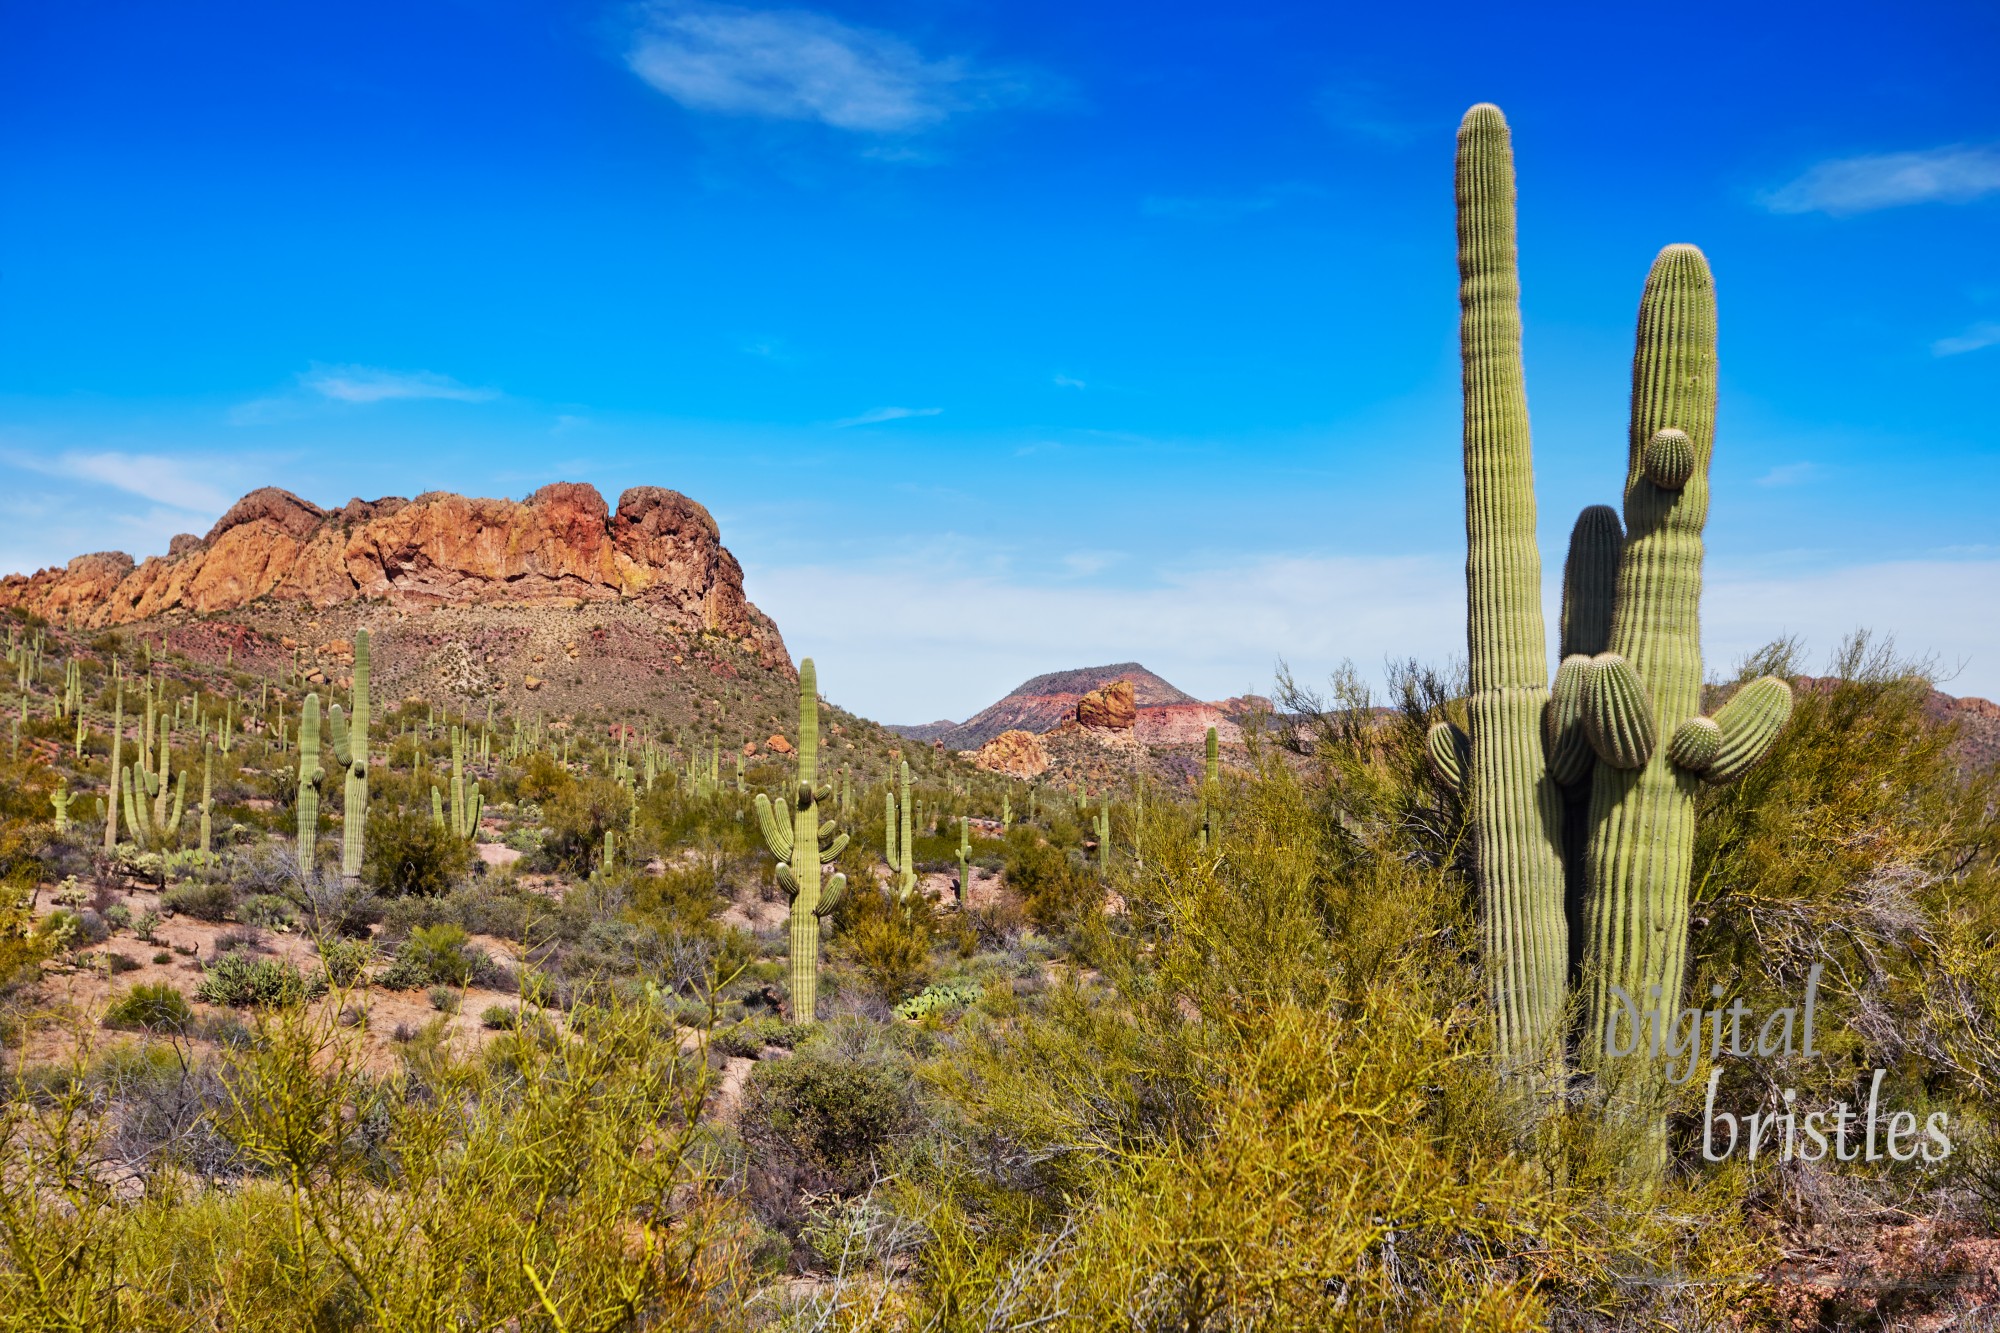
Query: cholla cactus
x=802, y=844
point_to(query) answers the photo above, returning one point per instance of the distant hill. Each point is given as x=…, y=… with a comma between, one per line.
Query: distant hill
x=1046, y=702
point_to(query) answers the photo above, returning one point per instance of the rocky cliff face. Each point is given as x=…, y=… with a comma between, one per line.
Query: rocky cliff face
x=560, y=547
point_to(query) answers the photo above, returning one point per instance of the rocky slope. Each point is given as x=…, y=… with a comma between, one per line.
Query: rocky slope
x=560, y=547
x=555, y=603
x=1158, y=713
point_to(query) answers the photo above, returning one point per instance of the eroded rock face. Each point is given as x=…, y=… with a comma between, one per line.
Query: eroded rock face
x=1018, y=754
x=561, y=546
x=1112, y=707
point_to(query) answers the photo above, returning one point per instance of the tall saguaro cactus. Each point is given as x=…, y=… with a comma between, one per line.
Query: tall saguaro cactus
x=898, y=839
x=309, y=775
x=350, y=747
x=802, y=845
x=1581, y=796
x=1640, y=700
x=1211, y=789
x=117, y=745
x=964, y=857
x=1513, y=802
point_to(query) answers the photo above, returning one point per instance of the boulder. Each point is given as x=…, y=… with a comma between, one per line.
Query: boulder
x=1109, y=707
x=1018, y=754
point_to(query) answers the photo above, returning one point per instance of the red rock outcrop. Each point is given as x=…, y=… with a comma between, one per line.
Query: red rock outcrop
x=561, y=546
x=1108, y=706
x=1016, y=753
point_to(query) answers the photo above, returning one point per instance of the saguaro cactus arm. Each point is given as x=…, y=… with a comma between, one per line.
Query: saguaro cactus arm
x=829, y=895
x=1450, y=752
x=1617, y=715
x=777, y=834
x=337, y=724
x=1739, y=736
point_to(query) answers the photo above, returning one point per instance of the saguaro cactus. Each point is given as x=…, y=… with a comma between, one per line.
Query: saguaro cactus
x=964, y=856
x=1640, y=700
x=802, y=845
x=309, y=775
x=467, y=805
x=1211, y=789
x=60, y=798
x=906, y=874
x=207, y=798
x=350, y=747
x=1513, y=803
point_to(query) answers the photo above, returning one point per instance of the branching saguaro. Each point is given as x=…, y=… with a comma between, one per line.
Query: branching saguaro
x=802, y=845
x=1641, y=699
x=1581, y=796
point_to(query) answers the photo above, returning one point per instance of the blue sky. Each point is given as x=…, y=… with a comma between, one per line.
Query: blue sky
x=1007, y=338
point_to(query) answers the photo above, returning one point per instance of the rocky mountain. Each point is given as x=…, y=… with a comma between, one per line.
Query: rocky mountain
x=1152, y=709
x=553, y=602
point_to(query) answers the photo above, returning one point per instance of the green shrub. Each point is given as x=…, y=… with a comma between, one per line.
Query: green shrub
x=203, y=902
x=409, y=854
x=346, y=961
x=265, y=909
x=157, y=1005
x=444, y=999
x=237, y=980
x=499, y=1017
x=1058, y=893
x=433, y=956
x=817, y=1121
x=745, y=1040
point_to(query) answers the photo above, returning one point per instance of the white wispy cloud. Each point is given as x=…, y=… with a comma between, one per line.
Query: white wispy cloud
x=1945, y=609
x=1789, y=474
x=371, y=384
x=1986, y=333
x=1069, y=382
x=792, y=64
x=947, y=643
x=1954, y=174
x=875, y=416
x=184, y=484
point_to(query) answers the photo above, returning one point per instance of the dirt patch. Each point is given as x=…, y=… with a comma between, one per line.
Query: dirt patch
x=496, y=854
